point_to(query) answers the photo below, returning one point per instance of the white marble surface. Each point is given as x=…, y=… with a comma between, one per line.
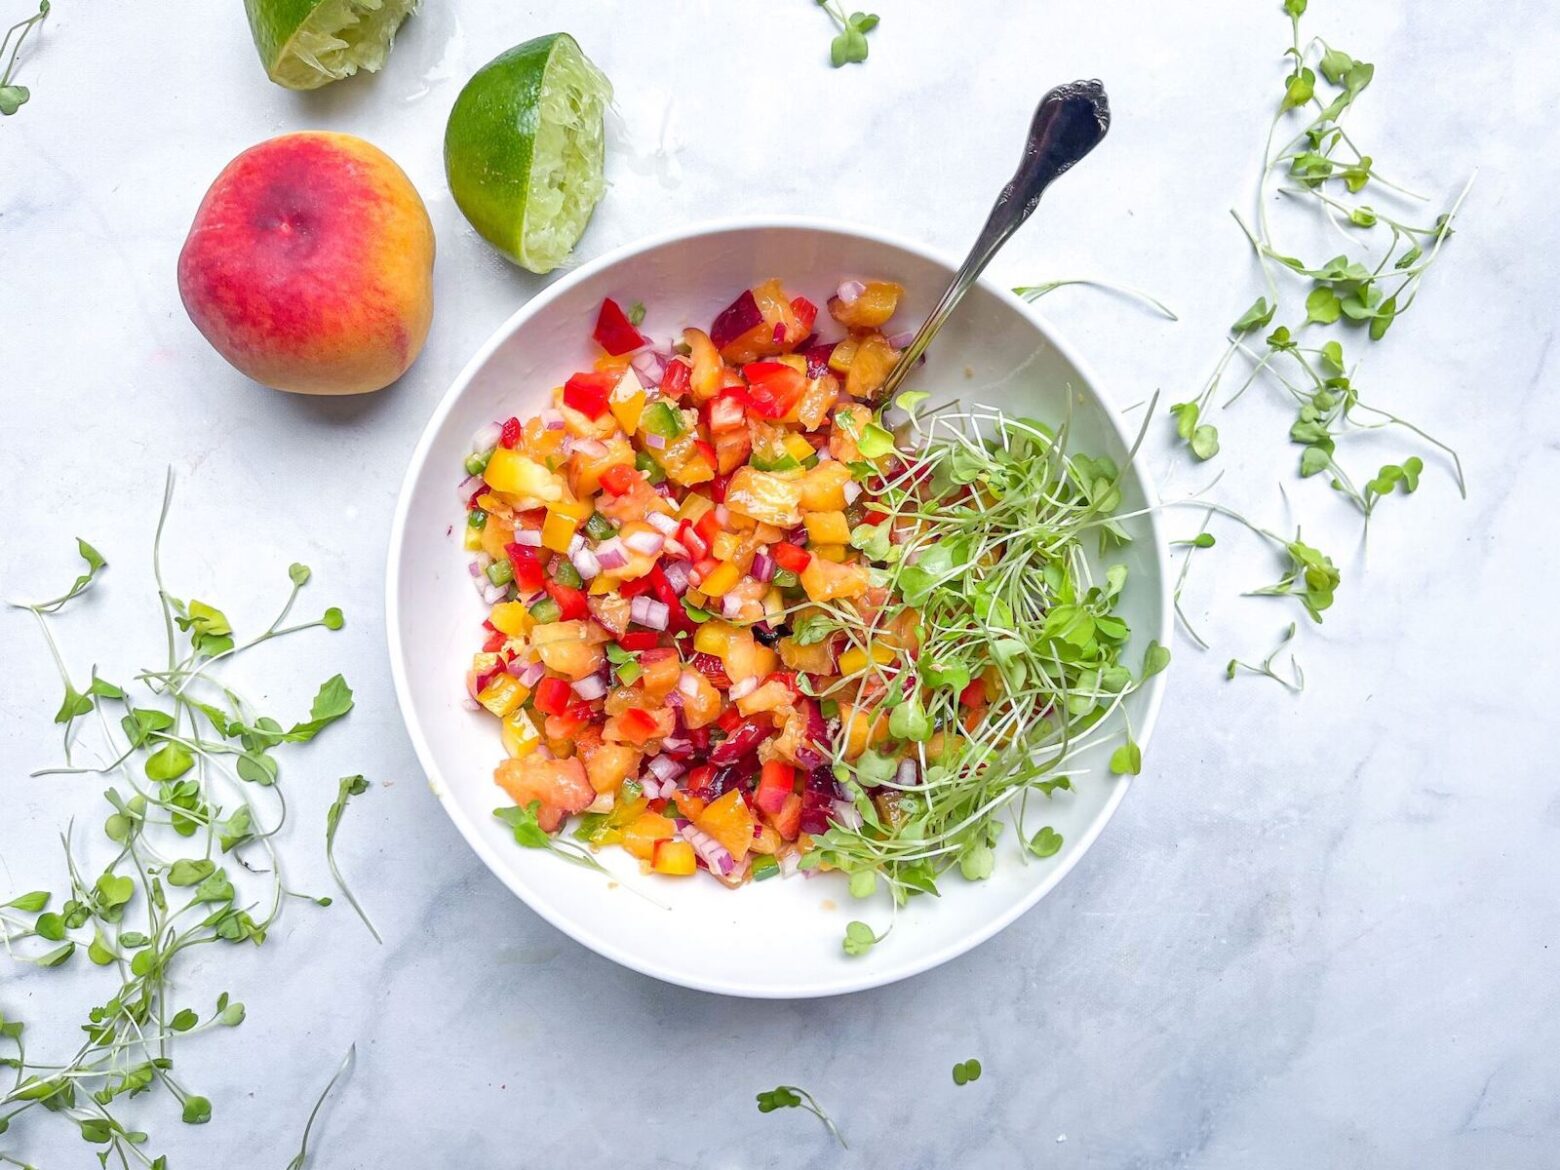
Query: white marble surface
x=1321, y=932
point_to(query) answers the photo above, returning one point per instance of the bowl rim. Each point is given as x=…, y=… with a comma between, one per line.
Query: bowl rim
x=583, y=933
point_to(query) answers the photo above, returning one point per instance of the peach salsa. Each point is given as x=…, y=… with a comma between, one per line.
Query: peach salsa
x=740, y=623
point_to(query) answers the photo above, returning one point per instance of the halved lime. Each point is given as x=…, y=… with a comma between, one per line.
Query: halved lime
x=524, y=147
x=305, y=44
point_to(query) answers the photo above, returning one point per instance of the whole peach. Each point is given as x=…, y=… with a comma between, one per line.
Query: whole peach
x=309, y=265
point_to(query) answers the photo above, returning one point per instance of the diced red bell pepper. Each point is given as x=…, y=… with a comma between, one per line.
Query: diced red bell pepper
x=789, y=557
x=676, y=379
x=727, y=411
x=572, y=606
x=700, y=738
x=634, y=587
x=775, y=783
x=615, y=333
x=705, y=449
x=788, y=821
x=703, y=568
x=708, y=527
x=509, y=434
x=620, y=478
x=637, y=725
x=553, y=696
x=528, y=567
x=741, y=739
x=495, y=642
x=729, y=719
x=569, y=724
x=662, y=588
x=636, y=640
x=973, y=695
x=806, y=313
x=689, y=538
x=701, y=779
x=718, y=486
x=773, y=388
x=589, y=393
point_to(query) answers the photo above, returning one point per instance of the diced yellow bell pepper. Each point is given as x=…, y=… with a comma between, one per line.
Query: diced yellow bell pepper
x=513, y=474
x=840, y=357
x=798, y=448
x=503, y=695
x=473, y=540
x=854, y=660
x=828, y=528
x=612, y=363
x=576, y=510
x=712, y=638
x=557, y=531
x=861, y=730
x=519, y=734
x=829, y=552
x=694, y=507
x=512, y=618
x=721, y=579
x=627, y=410
x=602, y=584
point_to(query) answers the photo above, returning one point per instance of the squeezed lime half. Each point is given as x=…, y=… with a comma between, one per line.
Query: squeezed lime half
x=524, y=148
x=305, y=44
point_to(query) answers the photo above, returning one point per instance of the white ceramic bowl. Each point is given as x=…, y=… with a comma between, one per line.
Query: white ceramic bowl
x=779, y=938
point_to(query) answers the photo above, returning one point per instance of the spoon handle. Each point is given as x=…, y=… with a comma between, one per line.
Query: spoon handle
x=1070, y=121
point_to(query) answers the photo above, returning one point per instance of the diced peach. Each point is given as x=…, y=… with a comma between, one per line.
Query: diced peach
x=496, y=533
x=872, y=308
x=585, y=471
x=814, y=658
x=607, y=765
x=701, y=701
x=559, y=786
x=573, y=660
x=849, y=421
x=674, y=858
x=788, y=821
x=765, y=497
x=729, y=821
x=869, y=369
x=825, y=581
x=641, y=834
x=708, y=373
x=660, y=669
x=771, y=696
x=861, y=729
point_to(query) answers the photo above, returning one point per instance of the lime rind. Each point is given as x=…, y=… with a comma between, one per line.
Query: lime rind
x=567, y=156
x=338, y=38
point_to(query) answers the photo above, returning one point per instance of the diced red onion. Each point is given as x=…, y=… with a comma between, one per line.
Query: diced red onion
x=674, y=548
x=649, y=787
x=649, y=365
x=486, y=438
x=590, y=687
x=730, y=606
x=722, y=516
x=666, y=769
x=908, y=775
x=532, y=674
x=491, y=594
x=479, y=563
x=846, y=815
x=528, y=537
x=900, y=340
x=467, y=488
x=852, y=491
x=823, y=455
x=779, y=334
x=610, y=554
x=470, y=704
x=676, y=572
x=662, y=522
x=585, y=564
x=789, y=864
x=654, y=441
x=850, y=290
x=715, y=855
x=763, y=568
x=552, y=420
x=516, y=668
x=567, y=446
x=676, y=746
x=741, y=690
x=648, y=543
x=688, y=686
x=648, y=612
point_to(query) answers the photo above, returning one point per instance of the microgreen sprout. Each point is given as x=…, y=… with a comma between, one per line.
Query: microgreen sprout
x=1311, y=158
x=966, y=1071
x=1033, y=292
x=13, y=97
x=1297, y=684
x=850, y=45
x=186, y=870
x=794, y=1097
x=523, y=822
x=1019, y=665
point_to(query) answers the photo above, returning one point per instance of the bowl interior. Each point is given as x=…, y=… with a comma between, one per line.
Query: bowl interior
x=776, y=938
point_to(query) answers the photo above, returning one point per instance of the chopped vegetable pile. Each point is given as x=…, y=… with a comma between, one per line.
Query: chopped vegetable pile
x=738, y=625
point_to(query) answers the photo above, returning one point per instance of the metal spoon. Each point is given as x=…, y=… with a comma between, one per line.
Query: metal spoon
x=1069, y=123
